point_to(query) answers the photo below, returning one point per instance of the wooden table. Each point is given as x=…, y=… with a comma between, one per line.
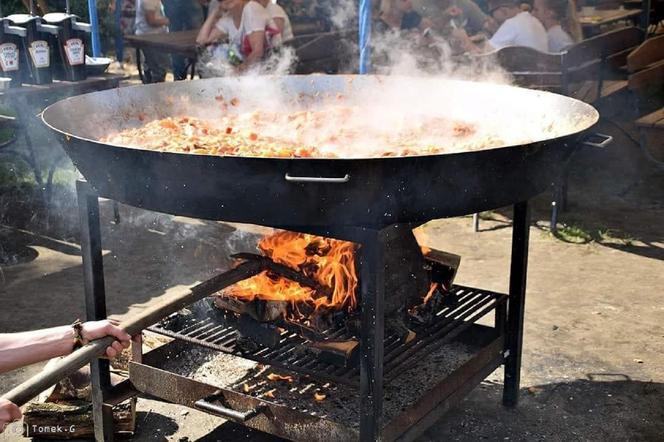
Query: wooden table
x=29, y=100
x=181, y=43
x=593, y=22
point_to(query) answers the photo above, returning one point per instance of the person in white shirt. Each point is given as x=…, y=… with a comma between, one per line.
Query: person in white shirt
x=562, y=25
x=277, y=13
x=517, y=28
x=150, y=19
x=243, y=23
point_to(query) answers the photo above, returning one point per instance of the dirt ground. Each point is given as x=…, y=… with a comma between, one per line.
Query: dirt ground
x=593, y=362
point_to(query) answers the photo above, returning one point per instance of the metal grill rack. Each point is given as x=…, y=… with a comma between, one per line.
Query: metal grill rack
x=471, y=304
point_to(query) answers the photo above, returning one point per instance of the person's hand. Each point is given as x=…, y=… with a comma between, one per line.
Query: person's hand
x=9, y=413
x=98, y=329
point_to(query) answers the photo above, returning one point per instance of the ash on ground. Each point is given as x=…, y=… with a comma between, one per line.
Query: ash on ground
x=336, y=402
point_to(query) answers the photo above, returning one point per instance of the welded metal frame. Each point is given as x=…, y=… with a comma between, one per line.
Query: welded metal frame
x=372, y=269
x=95, y=304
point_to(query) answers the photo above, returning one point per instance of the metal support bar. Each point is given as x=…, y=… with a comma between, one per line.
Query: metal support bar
x=517, y=299
x=372, y=293
x=95, y=303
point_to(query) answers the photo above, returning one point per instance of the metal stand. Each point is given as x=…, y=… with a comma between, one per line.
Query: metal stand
x=517, y=300
x=95, y=304
x=372, y=292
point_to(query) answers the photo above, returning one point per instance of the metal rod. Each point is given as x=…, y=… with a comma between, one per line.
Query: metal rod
x=365, y=36
x=517, y=300
x=95, y=301
x=168, y=304
x=372, y=292
x=67, y=7
x=32, y=7
x=94, y=22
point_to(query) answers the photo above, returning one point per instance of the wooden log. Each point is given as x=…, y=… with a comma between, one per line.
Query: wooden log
x=73, y=419
x=339, y=353
x=287, y=272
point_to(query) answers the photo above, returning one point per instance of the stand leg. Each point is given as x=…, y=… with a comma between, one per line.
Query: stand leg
x=517, y=298
x=372, y=287
x=95, y=304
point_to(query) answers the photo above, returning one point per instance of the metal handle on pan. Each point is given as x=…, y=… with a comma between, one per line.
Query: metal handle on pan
x=228, y=413
x=316, y=179
x=607, y=139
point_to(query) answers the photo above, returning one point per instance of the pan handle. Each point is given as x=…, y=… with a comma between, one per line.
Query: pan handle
x=606, y=140
x=228, y=413
x=317, y=179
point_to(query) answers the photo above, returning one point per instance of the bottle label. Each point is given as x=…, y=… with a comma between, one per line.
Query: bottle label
x=9, y=57
x=75, y=50
x=40, y=54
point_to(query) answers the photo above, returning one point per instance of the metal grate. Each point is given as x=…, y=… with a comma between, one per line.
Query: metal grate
x=471, y=304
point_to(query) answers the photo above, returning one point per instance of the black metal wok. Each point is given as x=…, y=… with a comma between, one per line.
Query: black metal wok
x=316, y=192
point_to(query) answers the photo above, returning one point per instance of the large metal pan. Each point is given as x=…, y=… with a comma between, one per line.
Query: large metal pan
x=318, y=192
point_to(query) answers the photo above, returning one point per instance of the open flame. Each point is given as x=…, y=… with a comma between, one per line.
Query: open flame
x=328, y=262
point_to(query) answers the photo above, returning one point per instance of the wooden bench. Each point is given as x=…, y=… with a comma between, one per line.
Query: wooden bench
x=646, y=82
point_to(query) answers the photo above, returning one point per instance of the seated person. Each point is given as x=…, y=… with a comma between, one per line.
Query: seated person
x=280, y=18
x=517, y=28
x=151, y=19
x=400, y=14
x=562, y=25
x=446, y=14
x=243, y=24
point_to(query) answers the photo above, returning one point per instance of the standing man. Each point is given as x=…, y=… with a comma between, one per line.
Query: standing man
x=151, y=19
x=184, y=15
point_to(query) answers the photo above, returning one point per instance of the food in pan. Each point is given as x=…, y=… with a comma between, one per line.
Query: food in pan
x=329, y=132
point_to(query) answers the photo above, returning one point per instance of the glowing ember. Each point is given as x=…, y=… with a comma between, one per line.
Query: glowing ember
x=432, y=290
x=277, y=377
x=328, y=262
x=319, y=397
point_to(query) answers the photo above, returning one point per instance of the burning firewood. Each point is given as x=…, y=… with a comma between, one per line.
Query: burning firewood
x=261, y=311
x=285, y=271
x=270, y=393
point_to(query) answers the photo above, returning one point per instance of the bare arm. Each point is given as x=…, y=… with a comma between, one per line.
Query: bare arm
x=256, y=40
x=155, y=20
x=20, y=349
x=280, y=22
x=209, y=33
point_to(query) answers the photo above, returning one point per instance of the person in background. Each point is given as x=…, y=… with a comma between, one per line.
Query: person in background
x=183, y=15
x=400, y=14
x=446, y=14
x=562, y=25
x=517, y=28
x=124, y=12
x=243, y=24
x=280, y=18
x=25, y=348
x=151, y=19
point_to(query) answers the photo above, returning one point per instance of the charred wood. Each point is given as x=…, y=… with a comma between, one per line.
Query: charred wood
x=287, y=272
x=339, y=353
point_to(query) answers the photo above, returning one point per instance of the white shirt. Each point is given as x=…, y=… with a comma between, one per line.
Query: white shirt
x=142, y=25
x=254, y=18
x=559, y=40
x=276, y=11
x=521, y=30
